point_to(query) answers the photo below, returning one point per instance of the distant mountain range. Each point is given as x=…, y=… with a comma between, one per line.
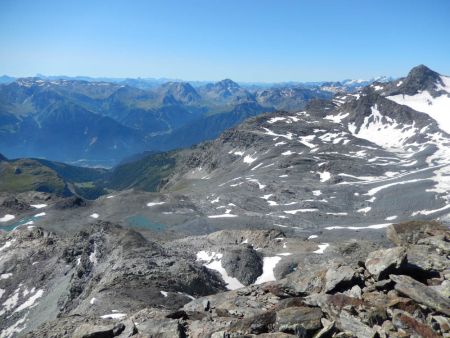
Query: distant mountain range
x=98, y=123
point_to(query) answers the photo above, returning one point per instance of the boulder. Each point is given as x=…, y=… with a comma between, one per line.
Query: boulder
x=301, y=321
x=425, y=258
x=349, y=323
x=411, y=232
x=161, y=328
x=243, y=263
x=336, y=277
x=404, y=321
x=381, y=263
x=98, y=331
x=421, y=293
x=255, y=325
x=437, y=241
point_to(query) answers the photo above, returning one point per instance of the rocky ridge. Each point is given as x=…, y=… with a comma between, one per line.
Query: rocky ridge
x=111, y=282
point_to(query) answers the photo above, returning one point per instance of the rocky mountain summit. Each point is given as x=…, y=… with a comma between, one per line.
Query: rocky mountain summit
x=107, y=281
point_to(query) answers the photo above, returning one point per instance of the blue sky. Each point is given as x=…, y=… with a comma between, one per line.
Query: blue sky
x=253, y=41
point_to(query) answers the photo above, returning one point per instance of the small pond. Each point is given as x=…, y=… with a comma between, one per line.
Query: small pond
x=14, y=225
x=142, y=222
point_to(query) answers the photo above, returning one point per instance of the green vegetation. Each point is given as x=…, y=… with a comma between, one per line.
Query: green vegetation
x=146, y=173
x=25, y=175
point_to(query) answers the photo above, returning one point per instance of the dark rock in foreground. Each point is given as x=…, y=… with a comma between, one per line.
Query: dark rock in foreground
x=111, y=282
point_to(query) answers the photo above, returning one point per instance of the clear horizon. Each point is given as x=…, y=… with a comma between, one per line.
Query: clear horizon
x=246, y=41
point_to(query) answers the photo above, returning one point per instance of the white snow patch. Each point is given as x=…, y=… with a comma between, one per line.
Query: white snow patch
x=231, y=282
x=336, y=118
x=151, y=204
x=5, y=275
x=254, y=180
x=30, y=301
x=322, y=248
x=276, y=119
x=269, y=132
x=114, y=316
x=293, y=212
x=437, y=108
x=364, y=210
x=40, y=214
x=214, y=262
x=164, y=293
x=94, y=215
x=312, y=236
x=373, y=226
x=15, y=328
x=256, y=167
x=383, y=130
x=38, y=206
x=390, y=218
x=7, y=218
x=93, y=300
x=225, y=215
x=376, y=190
x=268, y=275
x=324, y=176
x=317, y=192
x=430, y=212
x=306, y=141
x=249, y=159
x=7, y=244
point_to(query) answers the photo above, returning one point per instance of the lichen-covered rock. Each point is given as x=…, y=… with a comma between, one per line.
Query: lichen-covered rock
x=340, y=276
x=421, y=293
x=382, y=262
x=302, y=321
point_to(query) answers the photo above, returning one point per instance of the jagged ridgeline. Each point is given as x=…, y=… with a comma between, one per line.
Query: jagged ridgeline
x=100, y=123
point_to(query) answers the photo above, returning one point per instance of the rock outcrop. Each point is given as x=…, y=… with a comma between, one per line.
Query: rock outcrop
x=121, y=285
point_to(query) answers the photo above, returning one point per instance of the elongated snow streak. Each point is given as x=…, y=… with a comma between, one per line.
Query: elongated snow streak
x=373, y=226
x=429, y=212
x=376, y=190
x=114, y=316
x=151, y=204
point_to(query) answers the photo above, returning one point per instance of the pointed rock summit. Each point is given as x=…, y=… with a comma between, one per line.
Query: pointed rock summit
x=420, y=78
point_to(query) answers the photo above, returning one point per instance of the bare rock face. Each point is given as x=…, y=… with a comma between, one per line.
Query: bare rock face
x=71, y=203
x=13, y=203
x=382, y=262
